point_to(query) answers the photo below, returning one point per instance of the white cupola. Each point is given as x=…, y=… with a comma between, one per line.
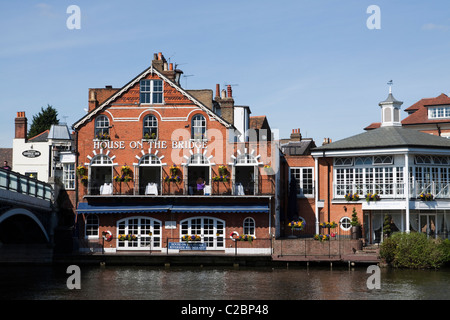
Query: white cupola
x=390, y=110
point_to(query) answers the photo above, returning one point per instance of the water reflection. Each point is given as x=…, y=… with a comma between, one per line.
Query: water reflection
x=149, y=283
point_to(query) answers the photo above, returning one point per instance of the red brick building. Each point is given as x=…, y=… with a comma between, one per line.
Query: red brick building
x=157, y=162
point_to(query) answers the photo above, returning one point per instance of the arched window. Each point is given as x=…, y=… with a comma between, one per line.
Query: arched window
x=198, y=127
x=102, y=127
x=249, y=226
x=246, y=159
x=149, y=160
x=101, y=160
x=150, y=127
x=91, y=226
x=198, y=159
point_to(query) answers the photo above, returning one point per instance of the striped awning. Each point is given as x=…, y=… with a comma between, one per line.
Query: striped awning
x=85, y=208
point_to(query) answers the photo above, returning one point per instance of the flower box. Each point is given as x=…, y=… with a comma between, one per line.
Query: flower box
x=352, y=196
x=127, y=237
x=296, y=225
x=188, y=238
x=426, y=197
x=331, y=225
x=246, y=237
x=372, y=197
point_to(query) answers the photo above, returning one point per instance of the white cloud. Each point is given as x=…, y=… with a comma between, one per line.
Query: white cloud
x=433, y=26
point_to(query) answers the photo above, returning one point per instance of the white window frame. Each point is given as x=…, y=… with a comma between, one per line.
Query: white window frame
x=302, y=180
x=213, y=237
x=69, y=176
x=92, y=226
x=345, y=223
x=439, y=112
x=101, y=125
x=150, y=123
x=148, y=89
x=199, y=125
x=249, y=226
x=142, y=228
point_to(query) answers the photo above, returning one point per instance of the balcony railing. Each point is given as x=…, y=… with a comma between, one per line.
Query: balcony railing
x=264, y=186
x=393, y=190
x=16, y=182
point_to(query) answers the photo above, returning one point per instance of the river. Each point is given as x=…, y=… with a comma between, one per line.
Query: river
x=220, y=283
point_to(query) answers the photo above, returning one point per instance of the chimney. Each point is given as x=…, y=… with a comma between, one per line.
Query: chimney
x=226, y=102
x=229, y=91
x=217, y=90
x=93, y=103
x=326, y=141
x=158, y=61
x=21, y=125
x=296, y=135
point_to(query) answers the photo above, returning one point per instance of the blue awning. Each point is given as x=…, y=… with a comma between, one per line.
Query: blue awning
x=85, y=208
x=221, y=208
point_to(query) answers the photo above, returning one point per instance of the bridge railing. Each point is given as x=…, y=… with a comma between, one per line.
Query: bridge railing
x=13, y=181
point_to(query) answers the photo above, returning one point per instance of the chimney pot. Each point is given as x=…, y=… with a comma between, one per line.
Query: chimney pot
x=229, y=93
x=159, y=55
x=171, y=66
x=217, y=90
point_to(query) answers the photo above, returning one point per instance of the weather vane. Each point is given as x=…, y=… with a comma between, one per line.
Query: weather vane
x=390, y=83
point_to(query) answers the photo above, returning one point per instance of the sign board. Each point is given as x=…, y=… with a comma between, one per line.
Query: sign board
x=31, y=153
x=187, y=245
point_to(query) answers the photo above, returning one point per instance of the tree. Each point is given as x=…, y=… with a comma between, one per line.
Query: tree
x=43, y=121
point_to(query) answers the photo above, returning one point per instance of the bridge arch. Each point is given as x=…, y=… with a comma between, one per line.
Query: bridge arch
x=21, y=221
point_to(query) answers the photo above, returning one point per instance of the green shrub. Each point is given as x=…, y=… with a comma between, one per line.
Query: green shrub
x=414, y=250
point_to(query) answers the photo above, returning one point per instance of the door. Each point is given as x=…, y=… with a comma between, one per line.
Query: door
x=145, y=234
x=428, y=224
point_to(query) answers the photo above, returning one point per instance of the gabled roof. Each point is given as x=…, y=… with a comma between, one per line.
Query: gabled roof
x=419, y=110
x=41, y=137
x=142, y=75
x=387, y=137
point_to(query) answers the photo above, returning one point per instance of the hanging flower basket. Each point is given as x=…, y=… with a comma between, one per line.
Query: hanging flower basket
x=223, y=170
x=297, y=225
x=126, y=170
x=84, y=180
x=174, y=170
x=221, y=178
x=81, y=170
x=172, y=178
x=352, y=196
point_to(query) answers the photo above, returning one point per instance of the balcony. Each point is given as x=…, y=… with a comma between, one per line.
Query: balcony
x=395, y=191
x=265, y=185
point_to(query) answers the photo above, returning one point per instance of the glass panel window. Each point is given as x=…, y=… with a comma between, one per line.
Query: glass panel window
x=69, y=175
x=150, y=127
x=198, y=127
x=305, y=180
x=249, y=226
x=102, y=127
x=151, y=91
x=92, y=226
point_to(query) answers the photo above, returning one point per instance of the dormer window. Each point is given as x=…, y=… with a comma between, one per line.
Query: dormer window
x=151, y=91
x=440, y=112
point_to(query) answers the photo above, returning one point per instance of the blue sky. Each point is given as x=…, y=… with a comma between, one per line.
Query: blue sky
x=312, y=65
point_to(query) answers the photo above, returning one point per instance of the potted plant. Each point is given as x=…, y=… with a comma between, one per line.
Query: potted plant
x=356, y=225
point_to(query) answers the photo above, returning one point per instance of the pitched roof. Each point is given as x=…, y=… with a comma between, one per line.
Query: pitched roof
x=41, y=137
x=387, y=137
x=149, y=70
x=257, y=122
x=419, y=110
